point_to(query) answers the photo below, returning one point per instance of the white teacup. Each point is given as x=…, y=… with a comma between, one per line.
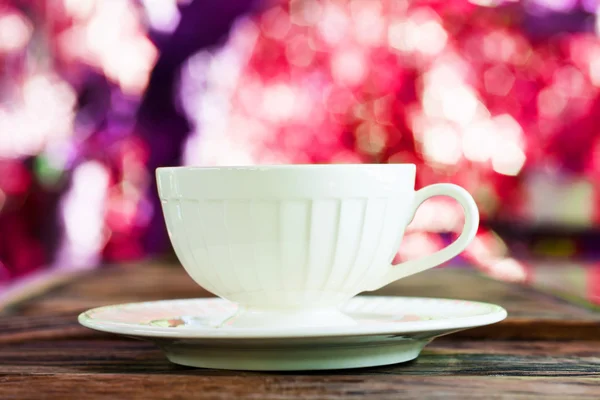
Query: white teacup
x=291, y=243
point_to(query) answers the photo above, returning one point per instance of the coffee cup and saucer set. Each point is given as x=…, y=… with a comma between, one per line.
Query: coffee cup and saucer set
x=288, y=250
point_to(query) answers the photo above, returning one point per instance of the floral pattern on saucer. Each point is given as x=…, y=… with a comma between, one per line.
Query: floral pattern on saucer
x=208, y=314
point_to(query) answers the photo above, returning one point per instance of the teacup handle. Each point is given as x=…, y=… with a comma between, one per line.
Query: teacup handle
x=411, y=267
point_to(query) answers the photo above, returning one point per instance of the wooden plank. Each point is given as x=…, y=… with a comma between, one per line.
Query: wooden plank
x=161, y=281
x=113, y=285
x=44, y=353
x=532, y=315
x=442, y=357
x=37, y=284
x=271, y=387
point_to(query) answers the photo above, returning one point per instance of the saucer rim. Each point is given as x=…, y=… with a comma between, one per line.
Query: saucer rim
x=496, y=314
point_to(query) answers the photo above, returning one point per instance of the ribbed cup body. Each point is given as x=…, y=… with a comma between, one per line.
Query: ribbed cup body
x=286, y=237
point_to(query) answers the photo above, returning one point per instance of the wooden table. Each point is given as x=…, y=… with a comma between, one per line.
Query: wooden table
x=547, y=347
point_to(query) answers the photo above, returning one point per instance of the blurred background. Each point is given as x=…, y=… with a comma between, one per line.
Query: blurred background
x=501, y=97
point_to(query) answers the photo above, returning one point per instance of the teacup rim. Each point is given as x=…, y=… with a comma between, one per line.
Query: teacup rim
x=263, y=167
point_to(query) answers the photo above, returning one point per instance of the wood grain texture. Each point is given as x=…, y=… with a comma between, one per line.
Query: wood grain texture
x=268, y=387
x=546, y=348
x=442, y=357
x=532, y=314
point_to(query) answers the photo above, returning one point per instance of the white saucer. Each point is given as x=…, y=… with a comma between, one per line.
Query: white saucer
x=388, y=330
